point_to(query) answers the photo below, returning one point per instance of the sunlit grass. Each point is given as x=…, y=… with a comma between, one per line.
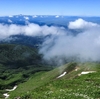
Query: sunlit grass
x=45, y=85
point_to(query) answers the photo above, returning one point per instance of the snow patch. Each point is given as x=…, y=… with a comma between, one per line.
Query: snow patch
x=77, y=68
x=62, y=75
x=86, y=72
x=6, y=95
x=12, y=88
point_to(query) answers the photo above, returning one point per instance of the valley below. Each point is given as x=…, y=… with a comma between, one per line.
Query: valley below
x=49, y=57
x=73, y=80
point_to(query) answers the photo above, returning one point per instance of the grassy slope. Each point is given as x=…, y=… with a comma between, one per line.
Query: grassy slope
x=22, y=65
x=17, y=64
x=45, y=85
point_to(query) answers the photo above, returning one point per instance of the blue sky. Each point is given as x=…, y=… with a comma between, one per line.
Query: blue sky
x=50, y=7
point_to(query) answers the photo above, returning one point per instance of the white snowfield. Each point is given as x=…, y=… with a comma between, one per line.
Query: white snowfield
x=86, y=72
x=62, y=75
x=12, y=89
x=6, y=95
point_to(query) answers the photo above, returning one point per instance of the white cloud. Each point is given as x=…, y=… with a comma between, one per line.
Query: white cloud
x=81, y=24
x=27, y=18
x=85, y=46
x=35, y=16
x=10, y=21
x=30, y=29
x=10, y=16
x=57, y=16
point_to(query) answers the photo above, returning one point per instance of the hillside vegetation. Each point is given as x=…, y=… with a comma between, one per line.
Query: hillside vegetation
x=47, y=85
x=24, y=67
x=17, y=64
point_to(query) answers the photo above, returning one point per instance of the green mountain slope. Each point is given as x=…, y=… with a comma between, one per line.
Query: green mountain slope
x=17, y=64
x=72, y=85
x=23, y=66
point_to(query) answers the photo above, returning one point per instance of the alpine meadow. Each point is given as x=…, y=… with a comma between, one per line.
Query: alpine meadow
x=49, y=49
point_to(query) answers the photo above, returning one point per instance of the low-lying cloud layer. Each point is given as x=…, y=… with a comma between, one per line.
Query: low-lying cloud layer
x=85, y=46
x=30, y=29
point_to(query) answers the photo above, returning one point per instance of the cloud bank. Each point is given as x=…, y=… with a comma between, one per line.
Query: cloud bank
x=85, y=46
x=30, y=29
x=60, y=46
x=81, y=24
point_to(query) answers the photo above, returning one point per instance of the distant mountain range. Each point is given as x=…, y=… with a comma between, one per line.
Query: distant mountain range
x=49, y=20
x=44, y=19
x=24, y=40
